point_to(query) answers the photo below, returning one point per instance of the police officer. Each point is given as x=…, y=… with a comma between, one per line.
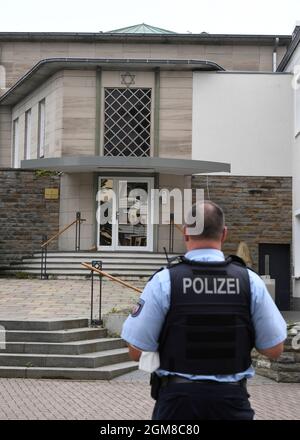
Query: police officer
x=204, y=315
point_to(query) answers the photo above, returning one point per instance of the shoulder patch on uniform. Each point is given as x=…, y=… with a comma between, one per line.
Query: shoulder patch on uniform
x=137, y=308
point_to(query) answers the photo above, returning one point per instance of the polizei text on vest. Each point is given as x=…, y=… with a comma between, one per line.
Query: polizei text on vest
x=211, y=285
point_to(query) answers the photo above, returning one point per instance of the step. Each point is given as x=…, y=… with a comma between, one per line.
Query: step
x=72, y=348
x=49, y=325
x=102, y=255
x=85, y=272
x=59, y=336
x=107, y=263
x=77, y=266
x=79, y=269
x=107, y=372
x=88, y=360
x=67, y=264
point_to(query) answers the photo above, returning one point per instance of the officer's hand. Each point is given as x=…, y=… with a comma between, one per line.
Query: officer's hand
x=134, y=353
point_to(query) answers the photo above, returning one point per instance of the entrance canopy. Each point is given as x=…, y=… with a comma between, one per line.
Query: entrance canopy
x=82, y=164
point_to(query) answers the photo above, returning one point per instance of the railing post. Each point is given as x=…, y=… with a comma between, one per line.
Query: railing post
x=42, y=263
x=171, y=233
x=100, y=294
x=96, y=322
x=77, y=232
x=44, y=275
x=92, y=298
x=46, y=256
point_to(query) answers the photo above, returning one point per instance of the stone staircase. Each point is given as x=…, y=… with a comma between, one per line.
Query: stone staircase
x=61, y=349
x=67, y=264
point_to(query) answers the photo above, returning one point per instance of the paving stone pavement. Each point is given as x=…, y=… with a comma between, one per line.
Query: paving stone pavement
x=43, y=299
x=124, y=398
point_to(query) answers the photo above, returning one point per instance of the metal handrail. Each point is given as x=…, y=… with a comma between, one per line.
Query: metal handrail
x=96, y=269
x=111, y=277
x=179, y=227
x=44, y=246
x=59, y=233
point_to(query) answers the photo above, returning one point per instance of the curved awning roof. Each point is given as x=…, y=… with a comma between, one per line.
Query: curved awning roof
x=81, y=164
x=46, y=68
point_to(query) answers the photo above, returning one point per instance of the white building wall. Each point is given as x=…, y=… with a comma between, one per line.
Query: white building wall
x=294, y=67
x=296, y=216
x=245, y=119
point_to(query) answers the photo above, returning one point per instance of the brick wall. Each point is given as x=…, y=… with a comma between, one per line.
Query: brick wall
x=25, y=215
x=257, y=209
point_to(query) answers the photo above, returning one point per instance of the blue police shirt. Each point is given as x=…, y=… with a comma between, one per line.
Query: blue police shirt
x=143, y=329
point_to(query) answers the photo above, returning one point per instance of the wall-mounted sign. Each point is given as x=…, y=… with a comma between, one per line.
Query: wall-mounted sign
x=51, y=193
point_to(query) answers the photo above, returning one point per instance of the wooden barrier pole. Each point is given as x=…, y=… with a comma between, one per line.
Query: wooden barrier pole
x=112, y=278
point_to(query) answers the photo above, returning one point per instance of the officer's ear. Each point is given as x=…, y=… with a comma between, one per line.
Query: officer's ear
x=224, y=234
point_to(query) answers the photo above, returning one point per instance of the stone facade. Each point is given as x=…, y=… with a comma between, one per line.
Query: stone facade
x=287, y=367
x=257, y=209
x=25, y=214
x=19, y=56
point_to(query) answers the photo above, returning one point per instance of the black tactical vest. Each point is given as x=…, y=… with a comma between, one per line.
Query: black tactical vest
x=208, y=329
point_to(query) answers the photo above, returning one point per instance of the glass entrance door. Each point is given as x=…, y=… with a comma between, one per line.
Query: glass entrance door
x=124, y=213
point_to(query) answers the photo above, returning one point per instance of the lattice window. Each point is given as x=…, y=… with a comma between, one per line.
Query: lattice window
x=127, y=122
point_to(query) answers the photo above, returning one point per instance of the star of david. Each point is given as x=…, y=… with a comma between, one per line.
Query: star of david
x=128, y=79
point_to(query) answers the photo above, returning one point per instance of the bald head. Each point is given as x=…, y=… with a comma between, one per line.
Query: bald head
x=214, y=220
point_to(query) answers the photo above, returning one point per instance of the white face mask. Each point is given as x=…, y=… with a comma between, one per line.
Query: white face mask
x=149, y=361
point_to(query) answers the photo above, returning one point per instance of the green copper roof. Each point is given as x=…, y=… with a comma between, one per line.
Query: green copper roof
x=142, y=28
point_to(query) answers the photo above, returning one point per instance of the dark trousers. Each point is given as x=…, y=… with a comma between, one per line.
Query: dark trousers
x=207, y=401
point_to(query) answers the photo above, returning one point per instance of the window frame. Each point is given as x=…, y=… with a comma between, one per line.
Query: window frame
x=15, y=143
x=27, y=134
x=41, y=128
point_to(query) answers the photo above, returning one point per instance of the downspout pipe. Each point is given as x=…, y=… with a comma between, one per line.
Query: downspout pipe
x=275, y=54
